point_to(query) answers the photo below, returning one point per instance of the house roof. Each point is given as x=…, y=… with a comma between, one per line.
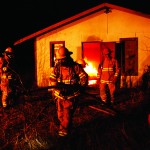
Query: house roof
x=103, y=6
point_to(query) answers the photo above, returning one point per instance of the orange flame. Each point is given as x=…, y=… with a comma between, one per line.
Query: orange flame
x=92, y=72
x=90, y=69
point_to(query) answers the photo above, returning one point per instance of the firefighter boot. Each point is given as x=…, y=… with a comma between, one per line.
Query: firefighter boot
x=112, y=101
x=62, y=131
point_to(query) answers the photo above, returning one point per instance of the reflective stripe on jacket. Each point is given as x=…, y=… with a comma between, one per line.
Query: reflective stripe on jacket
x=108, y=70
x=68, y=75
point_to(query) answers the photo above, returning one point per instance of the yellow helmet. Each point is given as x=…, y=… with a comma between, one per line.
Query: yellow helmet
x=62, y=52
x=8, y=50
x=81, y=62
x=9, y=53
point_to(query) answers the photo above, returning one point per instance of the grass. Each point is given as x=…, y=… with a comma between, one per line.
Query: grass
x=32, y=124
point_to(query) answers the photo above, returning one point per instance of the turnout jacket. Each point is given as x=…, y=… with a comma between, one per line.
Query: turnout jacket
x=71, y=77
x=108, y=70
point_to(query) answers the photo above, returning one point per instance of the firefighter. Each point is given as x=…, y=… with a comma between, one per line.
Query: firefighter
x=8, y=56
x=3, y=83
x=82, y=62
x=71, y=76
x=1, y=72
x=108, y=72
x=10, y=81
x=6, y=76
x=1, y=64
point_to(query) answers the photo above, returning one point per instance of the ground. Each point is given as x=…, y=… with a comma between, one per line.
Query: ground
x=32, y=124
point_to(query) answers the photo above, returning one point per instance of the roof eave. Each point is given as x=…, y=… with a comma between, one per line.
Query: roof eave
x=77, y=17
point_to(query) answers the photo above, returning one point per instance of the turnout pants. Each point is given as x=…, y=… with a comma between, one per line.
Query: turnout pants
x=64, y=113
x=104, y=88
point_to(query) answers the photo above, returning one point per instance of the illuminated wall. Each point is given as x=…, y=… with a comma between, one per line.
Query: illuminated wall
x=96, y=27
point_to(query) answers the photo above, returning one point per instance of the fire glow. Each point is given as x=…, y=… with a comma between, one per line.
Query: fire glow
x=92, y=72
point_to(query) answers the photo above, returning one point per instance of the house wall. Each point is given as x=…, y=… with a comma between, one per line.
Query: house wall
x=96, y=27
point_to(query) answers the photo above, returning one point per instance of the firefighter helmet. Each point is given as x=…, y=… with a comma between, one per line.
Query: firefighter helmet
x=9, y=53
x=62, y=52
x=81, y=62
x=106, y=51
x=8, y=50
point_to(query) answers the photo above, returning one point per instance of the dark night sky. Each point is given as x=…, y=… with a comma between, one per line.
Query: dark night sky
x=24, y=17
x=19, y=18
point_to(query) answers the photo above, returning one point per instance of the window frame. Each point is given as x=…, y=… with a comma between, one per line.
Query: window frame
x=53, y=46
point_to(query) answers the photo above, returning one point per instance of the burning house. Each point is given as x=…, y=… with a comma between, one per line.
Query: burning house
x=124, y=31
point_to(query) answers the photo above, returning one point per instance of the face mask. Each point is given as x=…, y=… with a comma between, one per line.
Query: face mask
x=9, y=55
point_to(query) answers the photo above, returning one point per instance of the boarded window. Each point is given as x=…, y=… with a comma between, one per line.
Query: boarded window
x=129, y=48
x=53, y=46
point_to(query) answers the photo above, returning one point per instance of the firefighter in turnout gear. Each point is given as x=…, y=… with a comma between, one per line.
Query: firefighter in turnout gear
x=9, y=79
x=7, y=82
x=6, y=75
x=2, y=75
x=8, y=56
x=83, y=65
x=72, y=77
x=108, y=72
x=82, y=62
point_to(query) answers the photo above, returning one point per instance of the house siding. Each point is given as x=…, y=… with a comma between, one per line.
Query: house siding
x=95, y=27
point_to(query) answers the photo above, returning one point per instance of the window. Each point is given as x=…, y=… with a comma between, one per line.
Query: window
x=129, y=50
x=53, y=46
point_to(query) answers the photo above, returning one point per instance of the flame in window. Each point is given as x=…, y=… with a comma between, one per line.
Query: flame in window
x=92, y=72
x=90, y=69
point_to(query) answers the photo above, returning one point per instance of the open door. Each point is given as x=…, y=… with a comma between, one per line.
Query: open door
x=91, y=52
